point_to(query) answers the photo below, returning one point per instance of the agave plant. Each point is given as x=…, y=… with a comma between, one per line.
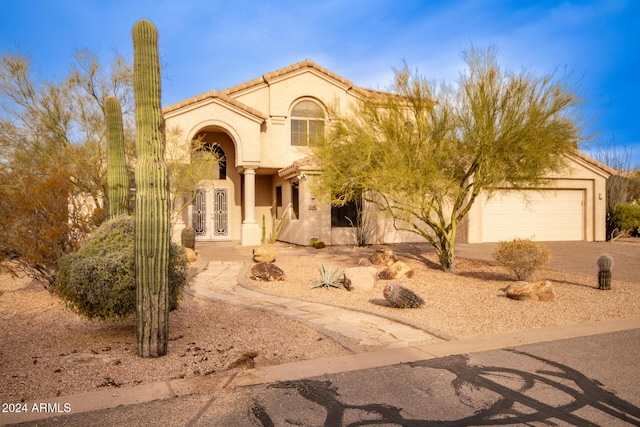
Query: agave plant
x=328, y=279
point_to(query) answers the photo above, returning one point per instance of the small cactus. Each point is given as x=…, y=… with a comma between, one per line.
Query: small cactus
x=401, y=297
x=605, y=262
x=188, y=238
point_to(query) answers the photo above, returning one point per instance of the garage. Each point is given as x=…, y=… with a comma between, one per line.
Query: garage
x=545, y=215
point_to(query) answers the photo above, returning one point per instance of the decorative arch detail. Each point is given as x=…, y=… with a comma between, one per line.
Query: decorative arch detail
x=222, y=127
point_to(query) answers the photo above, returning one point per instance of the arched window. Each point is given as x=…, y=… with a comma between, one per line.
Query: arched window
x=307, y=123
x=215, y=150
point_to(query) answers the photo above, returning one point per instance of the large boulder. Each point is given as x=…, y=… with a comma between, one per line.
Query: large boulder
x=525, y=291
x=396, y=270
x=401, y=297
x=265, y=254
x=360, y=278
x=383, y=256
x=267, y=272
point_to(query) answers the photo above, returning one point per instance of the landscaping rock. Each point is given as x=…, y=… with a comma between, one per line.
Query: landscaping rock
x=265, y=254
x=360, y=278
x=383, y=256
x=525, y=291
x=396, y=270
x=364, y=262
x=401, y=297
x=191, y=254
x=267, y=272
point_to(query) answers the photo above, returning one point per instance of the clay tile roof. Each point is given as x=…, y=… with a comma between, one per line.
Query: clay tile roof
x=211, y=95
x=307, y=63
x=309, y=164
x=226, y=94
x=594, y=162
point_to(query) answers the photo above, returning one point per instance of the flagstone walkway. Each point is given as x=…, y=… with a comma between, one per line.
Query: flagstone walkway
x=357, y=331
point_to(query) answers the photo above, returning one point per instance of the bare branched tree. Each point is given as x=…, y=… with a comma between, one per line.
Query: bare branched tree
x=618, y=158
x=53, y=133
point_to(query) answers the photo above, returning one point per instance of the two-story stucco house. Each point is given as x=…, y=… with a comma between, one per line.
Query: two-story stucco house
x=263, y=128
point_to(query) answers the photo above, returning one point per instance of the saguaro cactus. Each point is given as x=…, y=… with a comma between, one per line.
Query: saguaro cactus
x=152, y=197
x=605, y=262
x=117, y=177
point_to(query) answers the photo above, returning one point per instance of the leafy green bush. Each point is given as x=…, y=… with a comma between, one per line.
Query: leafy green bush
x=522, y=256
x=626, y=217
x=98, y=281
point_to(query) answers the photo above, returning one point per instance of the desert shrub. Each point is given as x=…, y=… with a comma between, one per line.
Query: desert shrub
x=98, y=281
x=34, y=224
x=626, y=217
x=522, y=256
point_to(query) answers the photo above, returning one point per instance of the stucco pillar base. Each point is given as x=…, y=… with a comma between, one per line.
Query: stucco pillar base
x=250, y=234
x=176, y=231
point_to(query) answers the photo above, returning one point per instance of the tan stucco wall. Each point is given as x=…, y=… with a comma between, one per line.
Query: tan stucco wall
x=277, y=98
x=265, y=144
x=243, y=129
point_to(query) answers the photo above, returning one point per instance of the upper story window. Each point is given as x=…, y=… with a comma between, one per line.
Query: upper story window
x=307, y=123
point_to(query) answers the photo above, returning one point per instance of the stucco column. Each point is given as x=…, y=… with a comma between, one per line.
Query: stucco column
x=250, y=230
x=249, y=196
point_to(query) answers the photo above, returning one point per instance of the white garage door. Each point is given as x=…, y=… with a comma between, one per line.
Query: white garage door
x=543, y=216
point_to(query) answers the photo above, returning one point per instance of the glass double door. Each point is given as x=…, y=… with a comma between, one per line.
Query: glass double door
x=210, y=214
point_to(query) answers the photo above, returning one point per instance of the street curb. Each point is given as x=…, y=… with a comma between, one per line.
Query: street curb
x=386, y=357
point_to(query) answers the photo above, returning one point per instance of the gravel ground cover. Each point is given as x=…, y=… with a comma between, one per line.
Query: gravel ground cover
x=46, y=350
x=469, y=303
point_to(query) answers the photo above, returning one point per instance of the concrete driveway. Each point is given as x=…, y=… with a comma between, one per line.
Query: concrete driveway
x=575, y=257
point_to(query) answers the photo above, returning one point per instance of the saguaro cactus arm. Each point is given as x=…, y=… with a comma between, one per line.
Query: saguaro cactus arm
x=117, y=176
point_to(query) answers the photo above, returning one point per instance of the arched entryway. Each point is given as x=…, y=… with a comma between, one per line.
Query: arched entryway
x=215, y=212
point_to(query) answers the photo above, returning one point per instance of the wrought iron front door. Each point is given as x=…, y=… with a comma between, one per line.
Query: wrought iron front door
x=210, y=214
x=220, y=214
x=199, y=213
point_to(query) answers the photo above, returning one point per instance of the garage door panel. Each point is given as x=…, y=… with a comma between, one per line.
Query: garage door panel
x=542, y=215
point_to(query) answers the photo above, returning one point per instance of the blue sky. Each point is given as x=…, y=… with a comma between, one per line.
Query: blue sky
x=214, y=44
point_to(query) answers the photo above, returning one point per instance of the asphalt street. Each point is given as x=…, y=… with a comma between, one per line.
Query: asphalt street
x=585, y=381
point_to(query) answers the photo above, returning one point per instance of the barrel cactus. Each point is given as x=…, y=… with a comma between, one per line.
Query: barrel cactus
x=188, y=238
x=152, y=225
x=605, y=262
x=117, y=176
x=401, y=297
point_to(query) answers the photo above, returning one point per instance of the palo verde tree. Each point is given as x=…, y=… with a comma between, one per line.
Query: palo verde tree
x=424, y=152
x=152, y=219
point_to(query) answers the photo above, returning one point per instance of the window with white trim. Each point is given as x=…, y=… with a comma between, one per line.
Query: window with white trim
x=307, y=123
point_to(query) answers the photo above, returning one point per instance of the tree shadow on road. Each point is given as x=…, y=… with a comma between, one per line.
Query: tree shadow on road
x=514, y=404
